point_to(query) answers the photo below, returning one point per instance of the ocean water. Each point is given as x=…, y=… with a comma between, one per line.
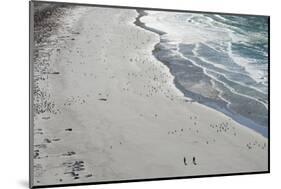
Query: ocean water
x=218, y=60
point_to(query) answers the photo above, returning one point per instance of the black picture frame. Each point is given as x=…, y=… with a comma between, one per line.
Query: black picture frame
x=131, y=180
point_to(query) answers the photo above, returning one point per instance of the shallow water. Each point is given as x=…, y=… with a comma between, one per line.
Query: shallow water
x=218, y=60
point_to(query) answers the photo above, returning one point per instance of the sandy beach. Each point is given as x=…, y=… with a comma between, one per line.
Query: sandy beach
x=108, y=110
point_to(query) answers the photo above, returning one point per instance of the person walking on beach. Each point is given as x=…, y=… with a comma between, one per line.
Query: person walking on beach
x=184, y=161
x=193, y=161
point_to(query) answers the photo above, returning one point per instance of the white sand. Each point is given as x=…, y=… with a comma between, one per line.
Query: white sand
x=145, y=127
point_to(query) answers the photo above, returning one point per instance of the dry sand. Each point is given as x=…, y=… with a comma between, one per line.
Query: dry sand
x=116, y=115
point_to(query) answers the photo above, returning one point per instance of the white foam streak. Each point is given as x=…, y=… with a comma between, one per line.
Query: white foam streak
x=183, y=31
x=248, y=64
x=215, y=79
x=225, y=68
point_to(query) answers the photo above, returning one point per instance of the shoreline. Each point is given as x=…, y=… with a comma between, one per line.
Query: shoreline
x=196, y=97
